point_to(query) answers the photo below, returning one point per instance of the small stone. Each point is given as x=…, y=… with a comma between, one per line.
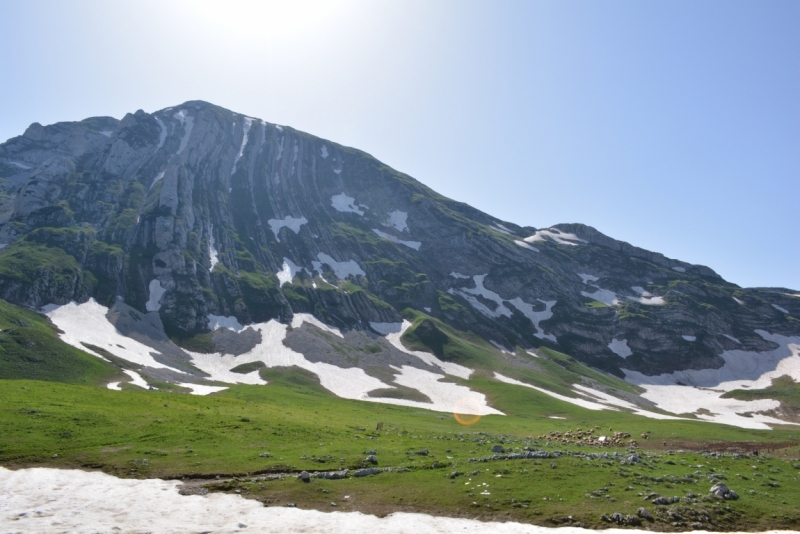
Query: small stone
x=292, y=505
x=372, y=459
x=498, y=448
x=304, y=476
x=644, y=514
x=333, y=504
x=617, y=518
x=55, y=456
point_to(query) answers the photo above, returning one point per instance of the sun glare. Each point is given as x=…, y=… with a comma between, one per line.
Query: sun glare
x=264, y=20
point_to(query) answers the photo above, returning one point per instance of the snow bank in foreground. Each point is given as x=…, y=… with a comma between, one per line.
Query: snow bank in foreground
x=64, y=500
x=701, y=389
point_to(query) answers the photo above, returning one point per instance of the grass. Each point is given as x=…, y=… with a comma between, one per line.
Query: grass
x=30, y=349
x=293, y=424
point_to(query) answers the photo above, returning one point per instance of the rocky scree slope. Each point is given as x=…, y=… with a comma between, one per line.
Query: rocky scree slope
x=195, y=215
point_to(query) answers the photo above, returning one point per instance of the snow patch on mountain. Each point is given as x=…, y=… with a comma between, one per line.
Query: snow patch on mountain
x=201, y=389
x=156, y=292
x=87, y=323
x=398, y=220
x=781, y=309
x=523, y=244
x=679, y=269
x=346, y=204
x=188, y=123
x=606, y=296
x=731, y=338
x=158, y=177
x=292, y=223
x=342, y=269
x=459, y=275
x=162, y=136
x=212, y=250
x=689, y=338
x=502, y=229
x=410, y=244
x=611, y=400
x=324, y=152
x=288, y=272
x=393, y=333
x=562, y=238
x=248, y=122
x=20, y=165
x=620, y=347
x=501, y=309
x=136, y=380
x=701, y=389
x=107, y=133
x=445, y=396
x=300, y=318
x=589, y=405
x=215, y=322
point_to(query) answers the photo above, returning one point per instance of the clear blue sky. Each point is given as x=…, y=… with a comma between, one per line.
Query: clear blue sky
x=674, y=126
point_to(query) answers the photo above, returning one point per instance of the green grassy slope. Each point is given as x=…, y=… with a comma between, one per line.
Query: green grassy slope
x=293, y=424
x=30, y=349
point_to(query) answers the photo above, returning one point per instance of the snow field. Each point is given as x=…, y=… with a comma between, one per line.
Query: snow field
x=780, y=309
x=292, y=223
x=742, y=369
x=562, y=238
x=345, y=204
x=394, y=331
x=501, y=309
x=599, y=400
x=87, y=323
x=49, y=500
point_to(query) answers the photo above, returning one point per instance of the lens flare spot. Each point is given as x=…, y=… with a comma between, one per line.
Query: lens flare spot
x=466, y=411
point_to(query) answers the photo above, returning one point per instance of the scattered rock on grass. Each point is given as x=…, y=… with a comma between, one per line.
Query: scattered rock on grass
x=498, y=448
x=721, y=490
x=644, y=514
x=304, y=476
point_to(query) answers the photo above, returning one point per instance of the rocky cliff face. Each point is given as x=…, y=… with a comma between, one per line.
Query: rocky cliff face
x=196, y=212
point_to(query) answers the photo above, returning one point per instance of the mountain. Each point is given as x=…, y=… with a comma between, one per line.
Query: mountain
x=157, y=239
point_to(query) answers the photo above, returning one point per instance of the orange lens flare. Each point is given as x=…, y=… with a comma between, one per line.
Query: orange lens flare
x=466, y=411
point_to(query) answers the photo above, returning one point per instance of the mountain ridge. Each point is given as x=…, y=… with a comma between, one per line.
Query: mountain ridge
x=204, y=220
